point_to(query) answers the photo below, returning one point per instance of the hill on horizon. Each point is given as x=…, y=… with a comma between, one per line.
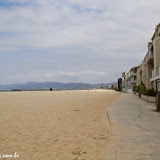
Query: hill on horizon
x=54, y=85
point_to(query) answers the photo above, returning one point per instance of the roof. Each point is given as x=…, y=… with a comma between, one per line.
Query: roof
x=135, y=67
x=155, y=31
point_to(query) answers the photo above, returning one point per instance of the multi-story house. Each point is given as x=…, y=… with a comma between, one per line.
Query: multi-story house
x=147, y=67
x=120, y=84
x=144, y=72
x=149, y=71
x=127, y=75
x=130, y=79
x=123, y=81
x=155, y=80
x=139, y=75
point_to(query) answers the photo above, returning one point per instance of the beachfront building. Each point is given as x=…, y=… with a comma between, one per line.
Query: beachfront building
x=120, y=84
x=123, y=81
x=149, y=70
x=148, y=66
x=155, y=79
x=144, y=73
x=130, y=79
x=139, y=75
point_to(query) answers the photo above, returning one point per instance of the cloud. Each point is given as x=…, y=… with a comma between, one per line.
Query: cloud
x=107, y=37
x=82, y=76
x=82, y=73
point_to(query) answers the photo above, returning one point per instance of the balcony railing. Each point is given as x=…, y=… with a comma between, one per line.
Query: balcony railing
x=133, y=73
x=132, y=80
x=149, y=56
x=140, y=68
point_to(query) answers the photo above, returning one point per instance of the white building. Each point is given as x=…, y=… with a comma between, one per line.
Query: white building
x=129, y=79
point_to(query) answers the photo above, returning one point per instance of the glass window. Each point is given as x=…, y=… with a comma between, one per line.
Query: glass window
x=158, y=86
x=152, y=73
x=158, y=70
x=150, y=54
x=152, y=85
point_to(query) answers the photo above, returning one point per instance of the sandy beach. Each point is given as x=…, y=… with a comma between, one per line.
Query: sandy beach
x=58, y=125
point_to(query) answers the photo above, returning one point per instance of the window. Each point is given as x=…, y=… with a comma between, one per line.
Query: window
x=152, y=73
x=149, y=54
x=158, y=70
x=158, y=86
x=144, y=78
x=152, y=85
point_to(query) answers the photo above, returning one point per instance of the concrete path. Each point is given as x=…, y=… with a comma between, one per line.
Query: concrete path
x=135, y=130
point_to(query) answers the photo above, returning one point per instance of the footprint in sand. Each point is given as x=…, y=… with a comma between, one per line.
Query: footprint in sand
x=77, y=151
x=99, y=137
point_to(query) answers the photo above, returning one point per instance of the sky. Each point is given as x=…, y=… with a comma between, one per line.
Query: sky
x=89, y=41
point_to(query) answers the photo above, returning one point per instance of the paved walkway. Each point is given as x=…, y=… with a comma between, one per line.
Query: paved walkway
x=135, y=130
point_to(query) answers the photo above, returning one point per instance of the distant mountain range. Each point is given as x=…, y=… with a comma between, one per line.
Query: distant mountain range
x=54, y=85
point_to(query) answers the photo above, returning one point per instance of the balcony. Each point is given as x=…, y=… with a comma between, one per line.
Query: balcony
x=133, y=73
x=157, y=76
x=128, y=76
x=133, y=80
x=158, y=70
x=149, y=57
x=140, y=68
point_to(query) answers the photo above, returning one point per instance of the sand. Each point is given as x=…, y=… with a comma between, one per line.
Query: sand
x=57, y=125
